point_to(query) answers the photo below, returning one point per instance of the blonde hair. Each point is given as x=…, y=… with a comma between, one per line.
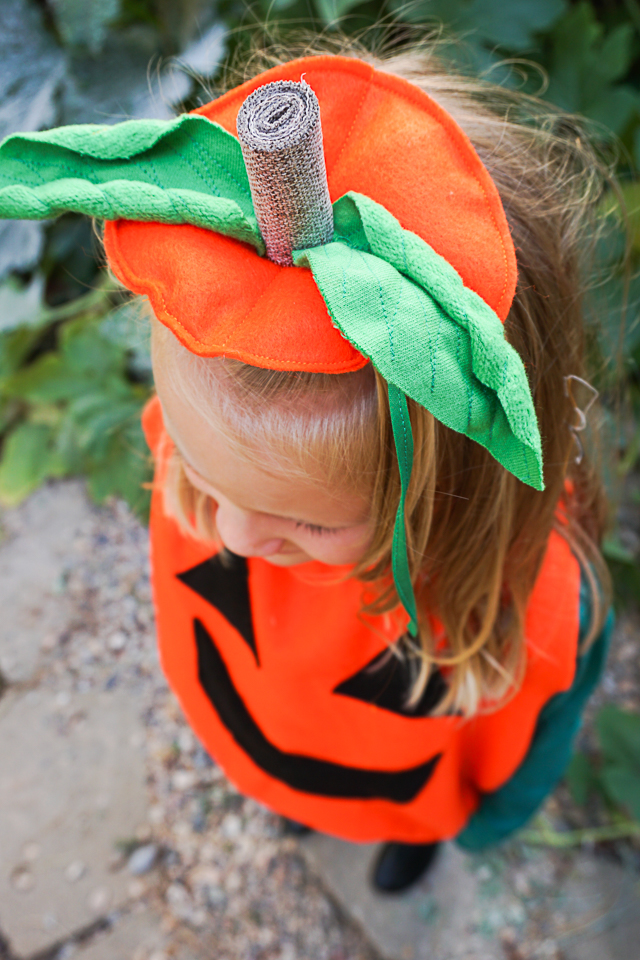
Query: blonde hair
x=476, y=535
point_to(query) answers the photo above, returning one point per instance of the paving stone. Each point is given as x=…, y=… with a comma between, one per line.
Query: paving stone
x=134, y=936
x=600, y=918
x=71, y=786
x=37, y=541
x=431, y=922
x=592, y=913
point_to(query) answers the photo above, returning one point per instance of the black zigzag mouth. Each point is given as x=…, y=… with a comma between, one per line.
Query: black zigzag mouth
x=300, y=772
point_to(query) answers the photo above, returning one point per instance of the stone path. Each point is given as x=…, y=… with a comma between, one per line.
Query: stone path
x=121, y=840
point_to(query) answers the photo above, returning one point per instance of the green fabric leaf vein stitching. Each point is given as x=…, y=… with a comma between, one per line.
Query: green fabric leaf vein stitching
x=404, y=306
x=187, y=170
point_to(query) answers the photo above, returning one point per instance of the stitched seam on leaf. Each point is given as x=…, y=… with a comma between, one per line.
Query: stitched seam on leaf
x=205, y=157
x=382, y=304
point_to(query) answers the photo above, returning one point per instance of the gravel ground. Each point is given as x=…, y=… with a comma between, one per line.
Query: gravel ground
x=214, y=864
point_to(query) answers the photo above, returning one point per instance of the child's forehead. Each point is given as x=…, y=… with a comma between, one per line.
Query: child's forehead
x=257, y=479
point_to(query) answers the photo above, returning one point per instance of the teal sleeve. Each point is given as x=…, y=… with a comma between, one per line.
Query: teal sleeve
x=507, y=809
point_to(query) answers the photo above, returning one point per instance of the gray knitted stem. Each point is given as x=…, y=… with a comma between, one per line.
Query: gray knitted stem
x=281, y=138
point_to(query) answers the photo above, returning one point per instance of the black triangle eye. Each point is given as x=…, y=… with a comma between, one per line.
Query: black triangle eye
x=386, y=682
x=223, y=581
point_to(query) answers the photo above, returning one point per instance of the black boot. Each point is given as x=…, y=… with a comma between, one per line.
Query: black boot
x=399, y=865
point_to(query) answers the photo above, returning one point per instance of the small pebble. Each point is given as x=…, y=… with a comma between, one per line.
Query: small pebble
x=31, y=851
x=117, y=641
x=22, y=879
x=231, y=826
x=142, y=859
x=136, y=889
x=49, y=921
x=183, y=780
x=74, y=871
x=67, y=951
x=98, y=900
x=186, y=741
x=143, y=832
x=49, y=642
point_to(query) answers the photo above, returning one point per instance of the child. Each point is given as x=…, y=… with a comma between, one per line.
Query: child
x=379, y=594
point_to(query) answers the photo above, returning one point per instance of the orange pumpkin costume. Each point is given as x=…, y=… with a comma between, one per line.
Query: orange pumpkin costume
x=270, y=667
x=273, y=666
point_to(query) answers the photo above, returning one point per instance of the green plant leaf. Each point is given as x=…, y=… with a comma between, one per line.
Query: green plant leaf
x=97, y=417
x=619, y=735
x=47, y=380
x=188, y=170
x=513, y=25
x=331, y=10
x=622, y=783
x=15, y=346
x=129, y=326
x=626, y=209
x=123, y=470
x=85, y=23
x=584, y=64
x=581, y=777
x=87, y=352
x=472, y=380
x=28, y=457
x=613, y=549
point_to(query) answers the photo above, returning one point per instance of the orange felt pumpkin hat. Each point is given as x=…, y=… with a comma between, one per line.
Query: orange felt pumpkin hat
x=411, y=264
x=384, y=138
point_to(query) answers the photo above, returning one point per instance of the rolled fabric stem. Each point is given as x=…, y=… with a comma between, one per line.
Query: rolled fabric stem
x=280, y=133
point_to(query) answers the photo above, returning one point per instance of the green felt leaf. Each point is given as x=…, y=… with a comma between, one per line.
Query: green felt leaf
x=188, y=170
x=401, y=304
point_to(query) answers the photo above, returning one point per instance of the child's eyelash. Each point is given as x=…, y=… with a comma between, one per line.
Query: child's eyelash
x=315, y=528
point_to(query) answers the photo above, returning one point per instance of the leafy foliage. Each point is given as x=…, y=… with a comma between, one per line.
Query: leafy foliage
x=71, y=393
x=614, y=774
x=85, y=23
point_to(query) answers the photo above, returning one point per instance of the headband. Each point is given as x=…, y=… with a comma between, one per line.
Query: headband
x=417, y=274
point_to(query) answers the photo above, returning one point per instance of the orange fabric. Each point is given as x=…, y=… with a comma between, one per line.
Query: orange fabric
x=383, y=137
x=309, y=639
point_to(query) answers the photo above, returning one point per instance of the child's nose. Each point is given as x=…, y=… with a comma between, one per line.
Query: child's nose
x=244, y=533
